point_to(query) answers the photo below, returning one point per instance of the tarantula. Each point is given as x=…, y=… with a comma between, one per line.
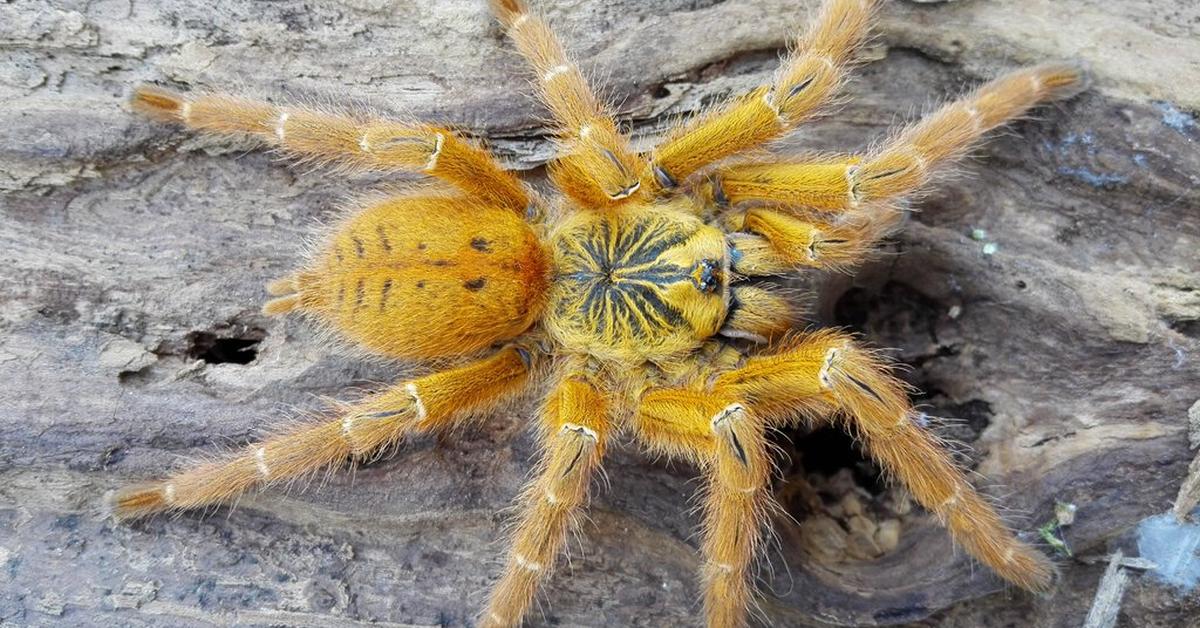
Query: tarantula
x=630, y=296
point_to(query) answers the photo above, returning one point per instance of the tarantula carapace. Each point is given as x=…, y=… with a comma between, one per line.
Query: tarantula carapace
x=628, y=297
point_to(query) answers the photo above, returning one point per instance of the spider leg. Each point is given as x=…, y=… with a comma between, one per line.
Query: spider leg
x=433, y=402
x=597, y=166
x=728, y=442
x=903, y=165
x=574, y=429
x=827, y=371
x=759, y=314
x=777, y=241
x=812, y=72
x=905, y=162
x=773, y=242
x=819, y=183
x=356, y=143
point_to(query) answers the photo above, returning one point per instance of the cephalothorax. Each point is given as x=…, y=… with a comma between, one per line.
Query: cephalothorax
x=638, y=283
x=631, y=296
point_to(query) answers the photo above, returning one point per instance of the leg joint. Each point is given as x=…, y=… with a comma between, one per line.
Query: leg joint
x=827, y=365
x=418, y=403
x=438, y=142
x=580, y=430
x=260, y=461
x=526, y=564
x=852, y=186
x=555, y=72
x=723, y=569
x=280, y=131
x=950, y=502
x=727, y=415
x=723, y=426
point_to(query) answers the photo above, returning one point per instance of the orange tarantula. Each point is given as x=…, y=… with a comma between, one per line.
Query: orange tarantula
x=630, y=296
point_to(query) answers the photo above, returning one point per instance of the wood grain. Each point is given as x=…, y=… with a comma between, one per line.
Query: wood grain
x=133, y=259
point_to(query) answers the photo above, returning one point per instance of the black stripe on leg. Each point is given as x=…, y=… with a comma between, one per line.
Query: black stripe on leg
x=574, y=461
x=737, y=447
x=865, y=388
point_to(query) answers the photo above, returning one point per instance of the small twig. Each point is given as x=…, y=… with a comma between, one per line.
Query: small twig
x=1128, y=562
x=1107, y=603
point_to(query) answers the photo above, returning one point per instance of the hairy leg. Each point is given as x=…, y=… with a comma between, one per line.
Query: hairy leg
x=759, y=314
x=827, y=370
x=597, y=167
x=812, y=72
x=728, y=442
x=903, y=164
x=574, y=430
x=356, y=143
x=427, y=403
x=770, y=242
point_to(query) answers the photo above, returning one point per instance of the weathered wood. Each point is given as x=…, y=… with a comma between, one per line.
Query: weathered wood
x=1107, y=604
x=132, y=260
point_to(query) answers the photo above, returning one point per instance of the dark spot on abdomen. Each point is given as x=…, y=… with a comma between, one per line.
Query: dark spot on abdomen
x=383, y=239
x=475, y=285
x=481, y=245
x=383, y=294
x=421, y=284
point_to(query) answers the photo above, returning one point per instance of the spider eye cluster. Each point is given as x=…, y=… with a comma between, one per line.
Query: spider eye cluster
x=708, y=275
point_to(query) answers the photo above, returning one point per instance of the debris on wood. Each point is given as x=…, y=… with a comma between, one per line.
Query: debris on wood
x=1107, y=603
x=1189, y=491
x=1051, y=531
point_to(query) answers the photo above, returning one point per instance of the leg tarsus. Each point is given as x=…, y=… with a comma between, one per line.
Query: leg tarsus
x=716, y=431
x=809, y=76
x=779, y=243
x=906, y=162
x=574, y=432
x=597, y=167
x=903, y=165
x=353, y=142
x=432, y=402
x=735, y=515
x=828, y=369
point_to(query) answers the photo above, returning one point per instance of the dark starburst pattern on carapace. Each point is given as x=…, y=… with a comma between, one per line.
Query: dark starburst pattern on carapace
x=621, y=271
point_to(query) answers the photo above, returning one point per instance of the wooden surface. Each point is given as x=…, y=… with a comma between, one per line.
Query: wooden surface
x=132, y=260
